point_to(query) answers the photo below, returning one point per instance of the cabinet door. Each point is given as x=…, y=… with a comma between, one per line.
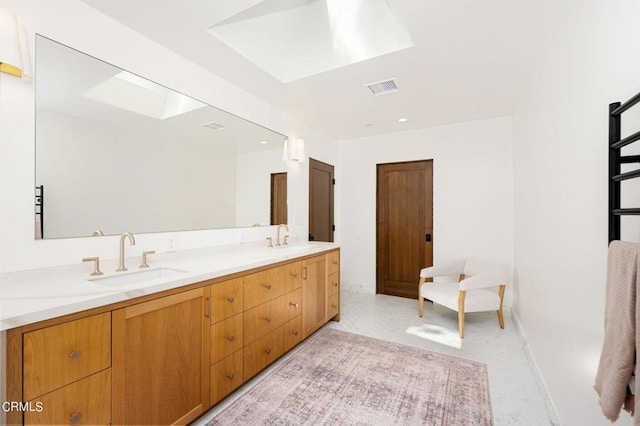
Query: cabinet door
x=314, y=291
x=161, y=360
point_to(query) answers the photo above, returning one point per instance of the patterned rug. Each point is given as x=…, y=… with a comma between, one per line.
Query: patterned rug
x=340, y=378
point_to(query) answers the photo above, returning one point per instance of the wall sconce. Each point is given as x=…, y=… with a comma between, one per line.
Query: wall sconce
x=293, y=150
x=14, y=47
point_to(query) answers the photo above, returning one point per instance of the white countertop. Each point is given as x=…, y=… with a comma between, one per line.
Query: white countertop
x=27, y=297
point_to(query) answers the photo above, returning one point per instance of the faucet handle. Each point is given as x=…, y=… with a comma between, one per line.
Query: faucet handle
x=144, y=263
x=96, y=265
x=285, y=240
x=270, y=239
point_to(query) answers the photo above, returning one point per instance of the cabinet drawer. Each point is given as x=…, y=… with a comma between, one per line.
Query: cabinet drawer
x=85, y=402
x=227, y=299
x=226, y=376
x=264, y=319
x=267, y=285
x=292, y=304
x=333, y=284
x=292, y=333
x=58, y=355
x=226, y=337
x=333, y=262
x=333, y=306
x=292, y=275
x=262, y=352
x=262, y=287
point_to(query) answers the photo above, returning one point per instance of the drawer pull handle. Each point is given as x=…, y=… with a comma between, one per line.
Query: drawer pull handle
x=333, y=305
x=304, y=272
x=231, y=299
x=267, y=351
x=231, y=338
x=295, y=332
x=230, y=376
x=75, y=418
x=268, y=286
x=295, y=305
x=335, y=284
x=335, y=262
x=75, y=354
x=268, y=319
x=295, y=274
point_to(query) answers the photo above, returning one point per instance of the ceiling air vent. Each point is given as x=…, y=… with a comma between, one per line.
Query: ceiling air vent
x=383, y=87
x=213, y=125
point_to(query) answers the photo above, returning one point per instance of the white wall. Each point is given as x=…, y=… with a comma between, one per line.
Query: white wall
x=254, y=172
x=472, y=194
x=85, y=192
x=73, y=23
x=585, y=56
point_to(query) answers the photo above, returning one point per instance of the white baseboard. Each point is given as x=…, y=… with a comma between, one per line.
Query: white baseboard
x=554, y=418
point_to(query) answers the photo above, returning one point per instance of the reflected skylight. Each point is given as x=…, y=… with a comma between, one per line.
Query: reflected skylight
x=135, y=94
x=299, y=38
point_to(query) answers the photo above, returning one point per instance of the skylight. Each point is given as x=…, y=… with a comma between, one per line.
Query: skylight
x=135, y=94
x=300, y=38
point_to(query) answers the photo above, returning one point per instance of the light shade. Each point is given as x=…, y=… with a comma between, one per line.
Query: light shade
x=293, y=150
x=14, y=47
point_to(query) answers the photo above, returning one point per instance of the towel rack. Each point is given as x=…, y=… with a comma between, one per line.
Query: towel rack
x=615, y=160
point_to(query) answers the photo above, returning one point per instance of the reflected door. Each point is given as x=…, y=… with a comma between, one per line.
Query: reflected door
x=278, y=198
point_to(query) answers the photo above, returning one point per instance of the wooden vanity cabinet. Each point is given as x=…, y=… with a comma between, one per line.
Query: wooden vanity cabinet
x=166, y=358
x=320, y=291
x=161, y=360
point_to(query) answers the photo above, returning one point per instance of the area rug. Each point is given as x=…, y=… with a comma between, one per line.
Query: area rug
x=340, y=378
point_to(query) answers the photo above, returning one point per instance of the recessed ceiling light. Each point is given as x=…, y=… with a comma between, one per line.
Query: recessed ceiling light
x=369, y=125
x=264, y=142
x=403, y=120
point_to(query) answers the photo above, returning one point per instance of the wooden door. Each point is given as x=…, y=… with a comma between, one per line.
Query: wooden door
x=404, y=226
x=314, y=294
x=161, y=360
x=278, y=198
x=320, y=201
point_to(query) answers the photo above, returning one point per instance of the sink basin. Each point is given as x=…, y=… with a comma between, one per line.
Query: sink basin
x=295, y=247
x=138, y=276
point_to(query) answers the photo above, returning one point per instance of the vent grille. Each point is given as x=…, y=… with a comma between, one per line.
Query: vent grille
x=383, y=87
x=213, y=125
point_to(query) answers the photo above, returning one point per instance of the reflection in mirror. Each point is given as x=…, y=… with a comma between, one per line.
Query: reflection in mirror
x=116, y=152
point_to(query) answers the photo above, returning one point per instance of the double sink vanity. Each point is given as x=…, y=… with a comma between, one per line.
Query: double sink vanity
x=163, y=344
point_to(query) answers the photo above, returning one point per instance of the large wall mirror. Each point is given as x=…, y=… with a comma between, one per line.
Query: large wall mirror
x=116, y=152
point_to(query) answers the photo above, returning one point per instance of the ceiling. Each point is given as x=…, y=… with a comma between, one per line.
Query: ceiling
x=467, y=61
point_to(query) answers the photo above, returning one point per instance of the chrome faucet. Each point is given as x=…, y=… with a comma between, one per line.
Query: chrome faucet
x=132, y=241
x=278, y=234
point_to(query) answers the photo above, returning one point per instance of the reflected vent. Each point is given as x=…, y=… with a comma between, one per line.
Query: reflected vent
x=383, y=87
x=213, y=125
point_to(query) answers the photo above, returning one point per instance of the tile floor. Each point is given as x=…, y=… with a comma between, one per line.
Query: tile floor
x=515, y=398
